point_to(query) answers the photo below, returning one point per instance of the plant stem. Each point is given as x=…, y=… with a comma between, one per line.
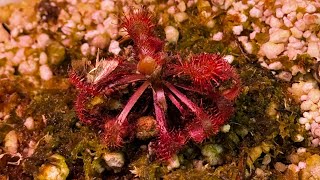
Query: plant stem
x=160, y=107
x=192, y=106
x=132, y=101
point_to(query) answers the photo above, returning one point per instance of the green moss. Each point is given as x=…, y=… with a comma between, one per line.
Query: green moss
x=191, y=174
x=144, y=169
x=56, y=52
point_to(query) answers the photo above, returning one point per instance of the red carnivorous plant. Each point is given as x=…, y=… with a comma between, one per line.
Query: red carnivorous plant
x=191, y=97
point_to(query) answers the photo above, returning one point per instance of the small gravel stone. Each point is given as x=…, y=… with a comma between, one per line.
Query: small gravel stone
x=255, y=12
x=114, y=47
x=314, y=95
x=303, y=120
x=11, y=142
x=225, y=128
x=296, y=32
x=307, y=115
x=280, y=36
x=315, y=142
x=308, y=86
x=317, y=119
x=107, y=5
x=172, y=34
x=43, y=40
x=285, y=76
x=43, y=58
x=279, y=13
x=85, y=49
x=180, y=17
x=275, y=22
x=271, y=50
x=289, y=7
x=182, y=6
x=28, y=67
x=45, y=72
x=279, y=166
x=306, y=105
x=302, y=165
x=229, y=58
x=301, y=150
x=29, y=123
x=114, y=160
x=310, y=8
x=218, y=36
x=307, y=126
x=315, y=130
x=100, y=41
x=275, y=65
x=313, y=49
x=237, y=29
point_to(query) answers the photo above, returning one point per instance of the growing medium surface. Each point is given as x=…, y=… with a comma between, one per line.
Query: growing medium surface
x=151, y=89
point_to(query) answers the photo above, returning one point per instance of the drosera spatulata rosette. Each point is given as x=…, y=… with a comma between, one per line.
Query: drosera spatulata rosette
x=157, y=84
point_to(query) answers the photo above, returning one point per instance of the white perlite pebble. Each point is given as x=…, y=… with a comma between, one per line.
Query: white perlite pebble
x=317, y=119
x=307, y=115
x=289, y=7
x=310, y=8
x=229, y=58
x=315, y=142
x=314, y=114
x=275, y=65
x=85, y=49
x=25, y=41
x=18, y=57
x=275, y=22
x=285, y=76
x=255, y=12
x=218, y=36
x=314, y=95
x=111, y=26
x=114, y=47
x=43, y=40
x=307, y=126
x=271, y=50
x=298, y=138
x=45, y=72
x=43, y=58
x=100, y=41
x=182, y=6
x=29, y=123
x=180, y=17
x=313, y=49
x=114, y=160
x=280, y=36
x=27, y=67
x=303, y=120
x=172, y=34
x=225, y=128
x=308, y=86
x=237, y=29
x=171, y=10
x=279, y=13
x=11, y=142
x=301, y=150
x=296, y=32
x=302, y=165
x=306, y=105
x=173, y=163
x=107, y=5
x=304, y=97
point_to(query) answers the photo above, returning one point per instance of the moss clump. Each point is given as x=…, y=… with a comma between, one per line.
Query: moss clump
x=144, y=169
